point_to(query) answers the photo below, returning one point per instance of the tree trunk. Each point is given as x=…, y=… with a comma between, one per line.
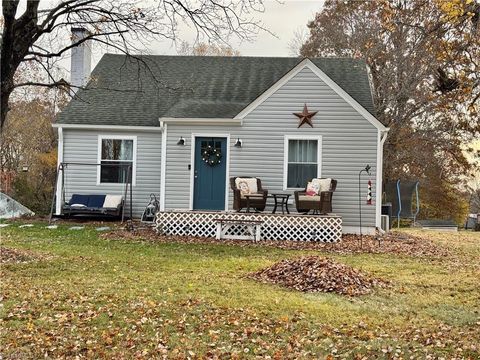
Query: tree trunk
x=4, y=106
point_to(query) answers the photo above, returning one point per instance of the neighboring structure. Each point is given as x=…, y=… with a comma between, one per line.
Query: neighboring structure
x=160, y=114
x=11, y=208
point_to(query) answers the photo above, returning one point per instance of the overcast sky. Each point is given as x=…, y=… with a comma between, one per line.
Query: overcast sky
x=282, y=18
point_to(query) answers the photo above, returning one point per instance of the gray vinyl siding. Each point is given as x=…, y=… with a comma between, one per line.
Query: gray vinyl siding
x=349, y=142
x=82, y=146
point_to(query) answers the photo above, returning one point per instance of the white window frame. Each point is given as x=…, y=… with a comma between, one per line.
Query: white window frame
x=287, y=138
x=134, y=157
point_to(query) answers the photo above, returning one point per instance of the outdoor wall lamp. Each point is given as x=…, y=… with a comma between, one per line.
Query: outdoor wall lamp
x=238, y=143
x=181, y=141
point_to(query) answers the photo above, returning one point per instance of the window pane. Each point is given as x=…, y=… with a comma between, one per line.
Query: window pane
x=292, y=150
x=114, y=171
x=300, y=174
x=117, y=149
x=312, y=151
x=300, y=151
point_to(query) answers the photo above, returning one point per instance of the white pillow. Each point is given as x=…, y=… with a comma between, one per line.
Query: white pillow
x=313, y=188
x=323, y=184
x=246, y=185
x=78, y=205
x=112, y=201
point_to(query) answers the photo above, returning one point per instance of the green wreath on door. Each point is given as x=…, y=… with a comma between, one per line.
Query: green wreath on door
x=211, y=156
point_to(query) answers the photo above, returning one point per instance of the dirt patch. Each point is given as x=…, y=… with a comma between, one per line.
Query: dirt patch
x=396, y=243
x=317, y=274
x=16, y=256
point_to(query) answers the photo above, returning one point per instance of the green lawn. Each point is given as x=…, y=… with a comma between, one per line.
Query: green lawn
x=100, y=298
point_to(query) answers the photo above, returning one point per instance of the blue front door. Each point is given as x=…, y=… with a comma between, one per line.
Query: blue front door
x=209, y=173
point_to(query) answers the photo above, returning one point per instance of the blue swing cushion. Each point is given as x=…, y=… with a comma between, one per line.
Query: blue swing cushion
x=79, y=200
x=96, y=201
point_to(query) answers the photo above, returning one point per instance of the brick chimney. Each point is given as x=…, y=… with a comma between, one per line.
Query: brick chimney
x=81, y=59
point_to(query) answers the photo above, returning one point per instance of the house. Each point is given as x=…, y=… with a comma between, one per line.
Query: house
x=157, y=113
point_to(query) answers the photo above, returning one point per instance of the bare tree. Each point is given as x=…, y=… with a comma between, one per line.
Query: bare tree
x=206, y=49
x=39, y=34
x=300, y=37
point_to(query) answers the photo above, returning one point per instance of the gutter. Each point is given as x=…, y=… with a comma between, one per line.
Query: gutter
x=200, y=121
x=106, y=127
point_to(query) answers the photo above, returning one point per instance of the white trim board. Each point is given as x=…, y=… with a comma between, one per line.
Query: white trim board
x=101, y=137
x=107, y=127
x=307, y=63
x=200, y=121
x=192, y=162
x=59, y=197
x=163, y=167
x=286, y=138
x=381, y=137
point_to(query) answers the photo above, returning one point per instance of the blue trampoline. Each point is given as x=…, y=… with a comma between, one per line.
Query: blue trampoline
x=401, y=194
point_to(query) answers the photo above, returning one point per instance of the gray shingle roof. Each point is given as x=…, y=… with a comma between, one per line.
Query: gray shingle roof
x=125, y=91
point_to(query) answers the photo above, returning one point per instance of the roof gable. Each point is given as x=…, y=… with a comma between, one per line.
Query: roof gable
x=131, y=93
x=307, y=63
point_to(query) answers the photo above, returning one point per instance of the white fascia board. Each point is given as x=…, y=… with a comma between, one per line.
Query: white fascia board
x=107, y=127
x=200, y=121
x=325, y=78
x=353, y=103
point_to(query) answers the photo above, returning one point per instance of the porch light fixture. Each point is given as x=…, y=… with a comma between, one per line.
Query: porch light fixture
x=238, y=143
x=181, y=141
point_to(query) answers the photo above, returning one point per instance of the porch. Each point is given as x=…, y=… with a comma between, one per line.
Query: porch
x=321, y=228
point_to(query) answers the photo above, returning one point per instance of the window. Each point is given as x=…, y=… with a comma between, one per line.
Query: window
x=302, y=161
x=116, y=156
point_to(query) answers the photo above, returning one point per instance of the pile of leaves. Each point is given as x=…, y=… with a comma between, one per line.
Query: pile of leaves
x=394, y=243
x=317, y=274
x=15, y=256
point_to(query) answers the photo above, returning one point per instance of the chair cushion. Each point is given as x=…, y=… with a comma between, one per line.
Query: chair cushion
x=323, y=184
x=96, y=201
x=309, y=198
x=112, y=201
x=246, y=185
x=78, y=199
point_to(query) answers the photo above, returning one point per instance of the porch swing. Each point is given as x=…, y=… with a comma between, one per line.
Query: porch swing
x=97, y=205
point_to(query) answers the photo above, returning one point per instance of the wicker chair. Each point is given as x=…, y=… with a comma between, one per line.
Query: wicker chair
x=257, y=201
x=320, y=204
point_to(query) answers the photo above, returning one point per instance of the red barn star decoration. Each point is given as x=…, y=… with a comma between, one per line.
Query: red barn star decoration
x=305, y=116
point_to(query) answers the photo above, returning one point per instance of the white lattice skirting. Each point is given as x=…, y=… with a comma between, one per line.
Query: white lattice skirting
x=325, y=228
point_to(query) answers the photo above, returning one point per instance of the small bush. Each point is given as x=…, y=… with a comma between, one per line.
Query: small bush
x=35, y=188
